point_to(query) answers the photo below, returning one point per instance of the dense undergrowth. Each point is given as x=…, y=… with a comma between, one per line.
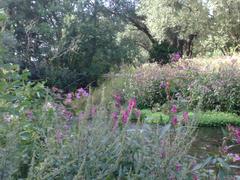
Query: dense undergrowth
x=208, y=84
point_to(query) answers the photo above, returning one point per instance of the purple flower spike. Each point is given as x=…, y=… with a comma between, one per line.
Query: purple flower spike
x=174, y=120
x=174, y=109
x=178, y=167
x=125, y=116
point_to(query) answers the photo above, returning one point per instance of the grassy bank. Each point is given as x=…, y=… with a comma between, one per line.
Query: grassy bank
x=209, y=118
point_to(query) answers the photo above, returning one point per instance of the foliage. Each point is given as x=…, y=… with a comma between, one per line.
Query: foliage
x=66, y=138
x=208, y=84
x=209, y=118
x=77, y=37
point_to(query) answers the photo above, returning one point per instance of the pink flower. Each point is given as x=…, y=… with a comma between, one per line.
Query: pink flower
x=67, y=114
x=175, y=57
x=81, y=92
x=68, y=100
x=234, y=157
x=178, y=167
x=132, y=104
x=237, y=135
x=125, y=116
x=174, y=120
x=117, y=99
x=185, y=117
x=195, y=177
x=55, y=89
x=174, y=109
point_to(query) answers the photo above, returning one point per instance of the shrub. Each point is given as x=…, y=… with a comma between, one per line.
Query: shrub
x=208, y=84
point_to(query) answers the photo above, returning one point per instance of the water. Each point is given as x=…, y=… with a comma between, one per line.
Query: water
x=208, y=143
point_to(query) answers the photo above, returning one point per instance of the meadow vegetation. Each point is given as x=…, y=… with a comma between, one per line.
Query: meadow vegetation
x=105, y=89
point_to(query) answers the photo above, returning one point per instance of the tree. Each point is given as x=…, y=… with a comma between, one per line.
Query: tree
x=64, y=41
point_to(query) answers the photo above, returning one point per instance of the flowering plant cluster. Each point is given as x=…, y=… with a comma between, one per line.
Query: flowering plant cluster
x=175, y=120
x=122, y=115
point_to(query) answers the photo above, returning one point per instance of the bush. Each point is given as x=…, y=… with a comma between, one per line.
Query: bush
x=208, y=84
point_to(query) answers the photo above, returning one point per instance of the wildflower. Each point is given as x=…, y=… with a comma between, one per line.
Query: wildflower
x=125, y=116
x=81, y=92
x=195, y=177
x=67, y=114
x=178, y=167
x=174, y=120
x=185, y=117
x=225, y=149
x=55, y=89
x=162, y=85
x=132, y=104
x=117, y=99
x=237, y=135
x=68, y=100
x=234, y=157
x=176, y=56
x=59, y=136
x=174, y=109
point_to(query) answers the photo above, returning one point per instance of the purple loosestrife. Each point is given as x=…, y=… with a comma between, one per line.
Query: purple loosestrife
x=178, y=167
x=125, y=117
x=174, y=109
x=132, y=104
x=117, y=99
x=237, y=135
x=174, y=120
x=195, y=177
